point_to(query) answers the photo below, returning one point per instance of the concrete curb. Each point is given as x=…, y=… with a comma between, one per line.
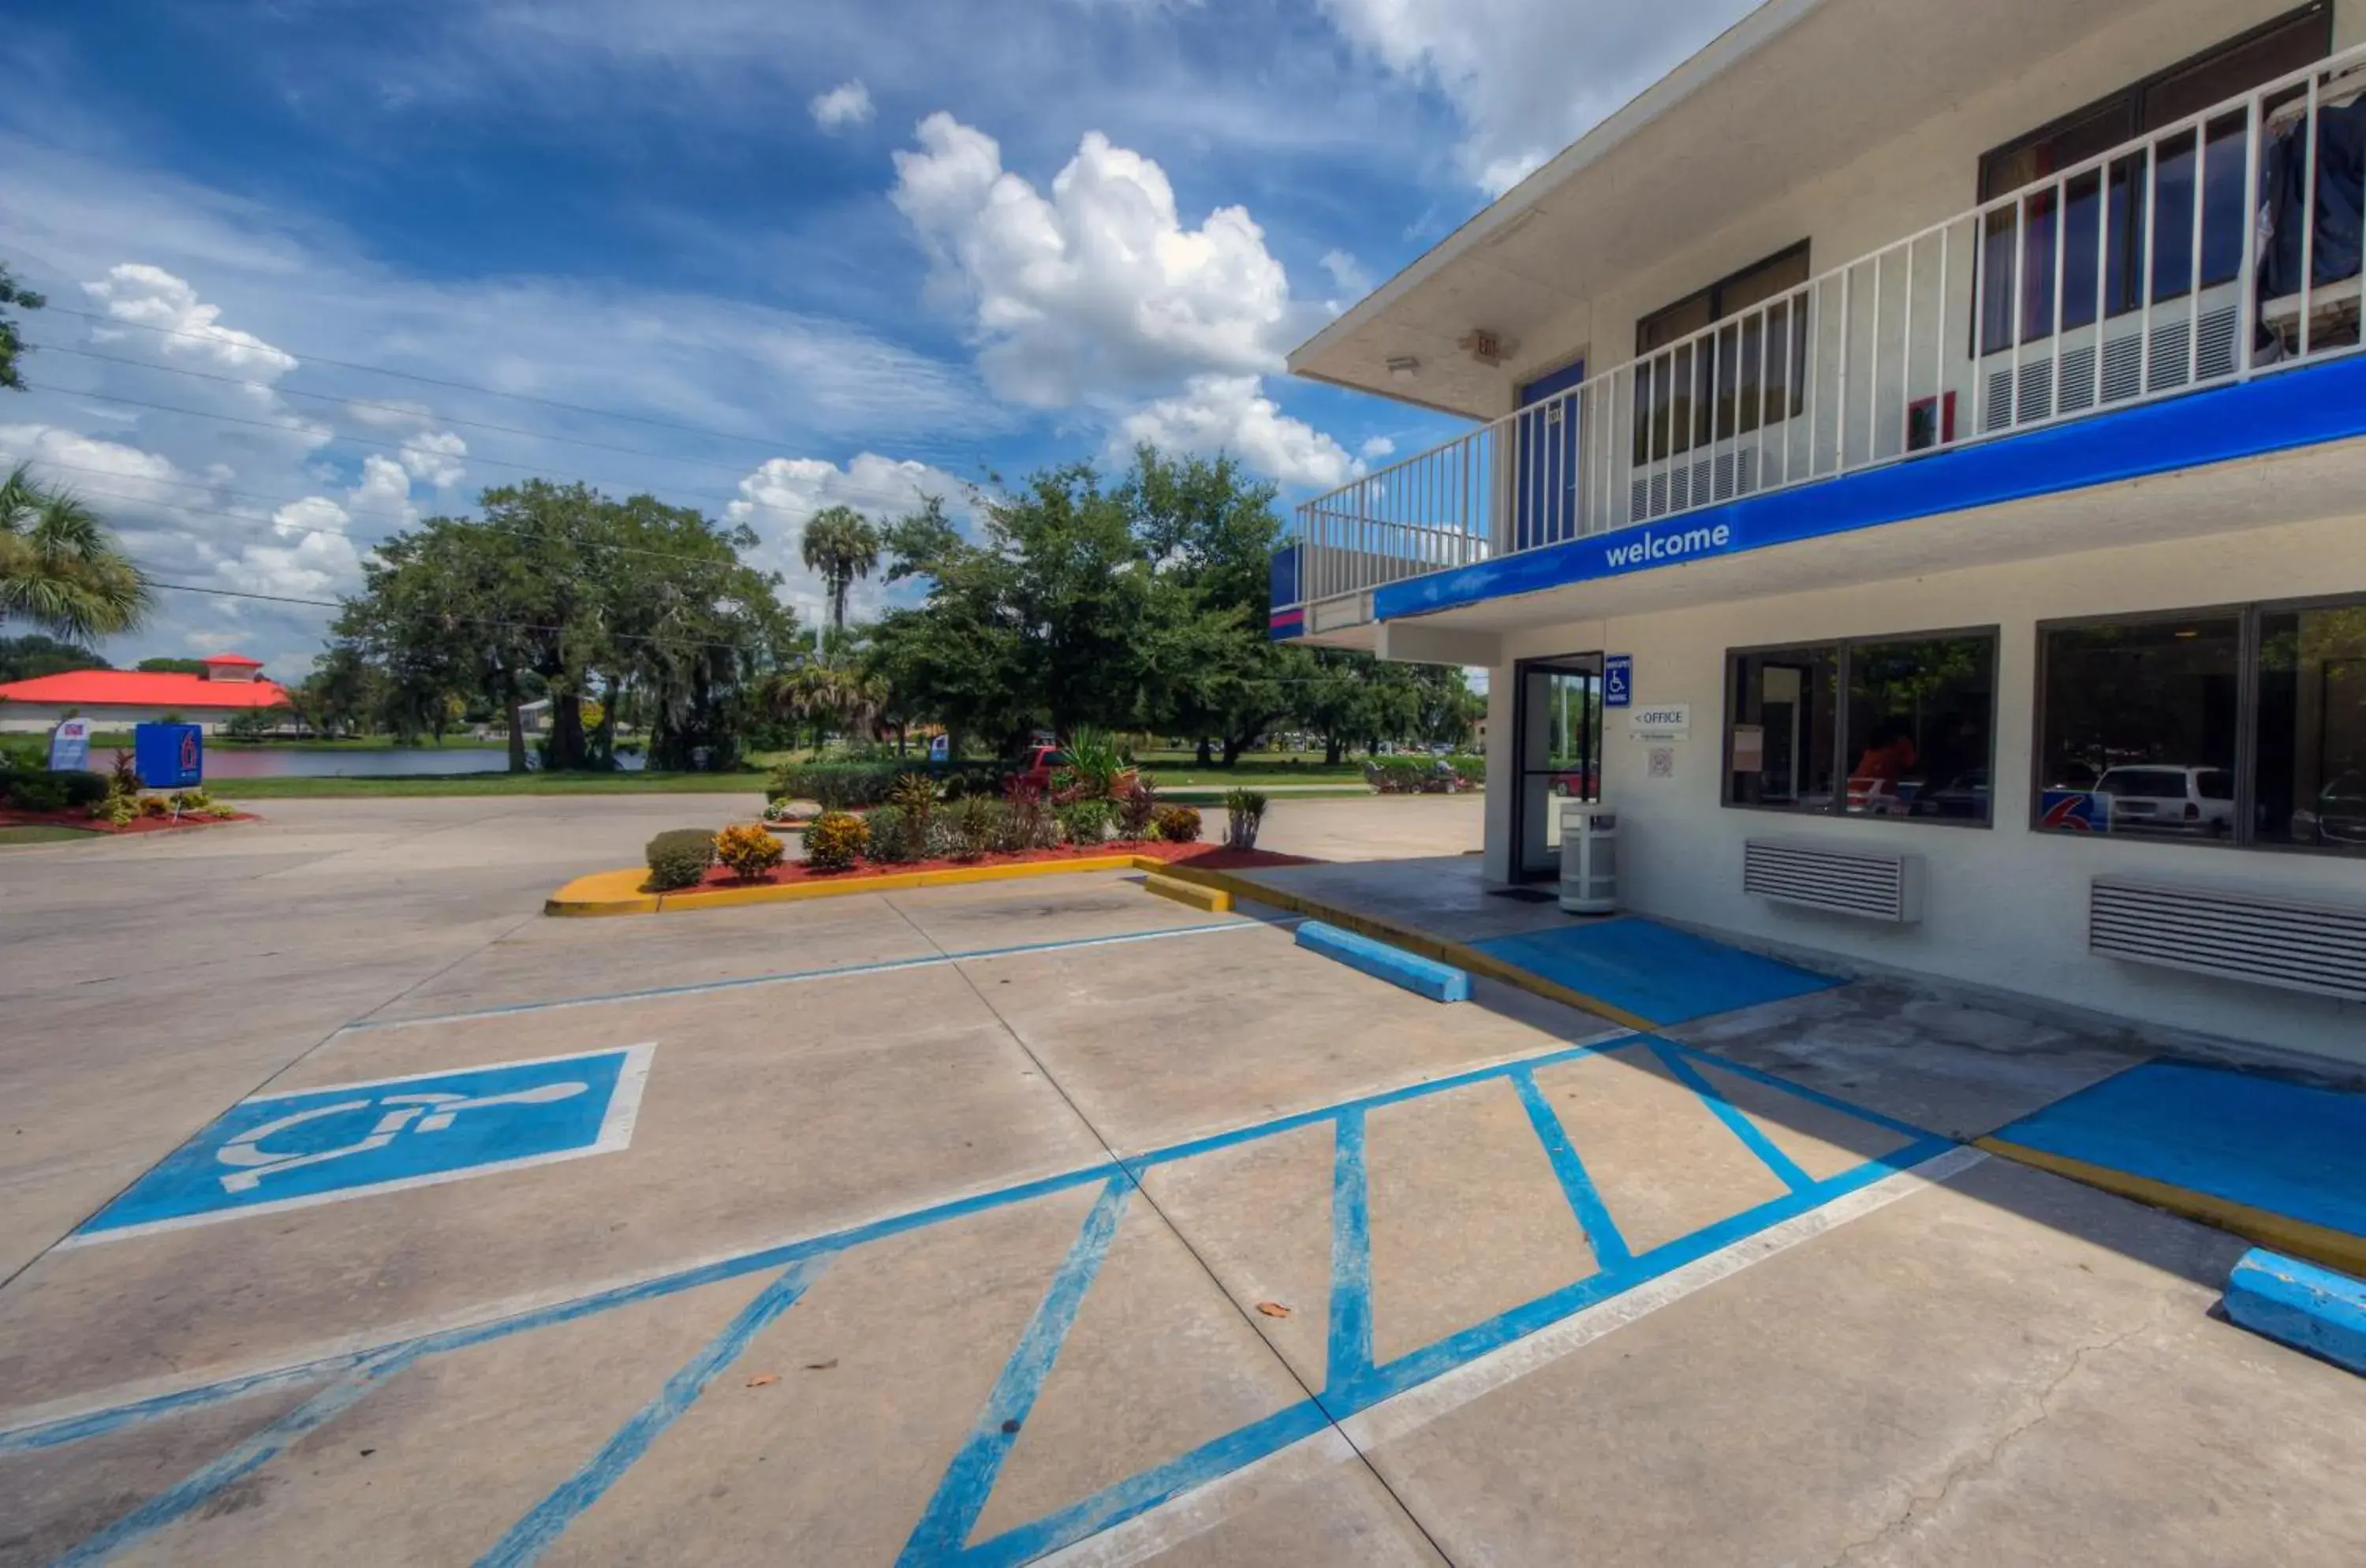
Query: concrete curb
x=1412, y=939
x=1214, y=900
x=1422, y=976
x=619, y=892
x=2320, y=1243
x=2299, y=1305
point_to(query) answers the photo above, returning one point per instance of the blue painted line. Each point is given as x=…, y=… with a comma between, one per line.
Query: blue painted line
x=1419, y=1366
x=1348, y=1356
x=90, y=1424
x=2300, y=1304
x=200, y=1485
x=527, y=1540
x=794, y=977
x=1814, y=1096
x=1140, y=1494
x=961, y=1497
x=1741, y=1126
x=1601, y=1235
x=1407, y=971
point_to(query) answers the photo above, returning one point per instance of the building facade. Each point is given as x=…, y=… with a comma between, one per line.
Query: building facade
x=1918, y=479
x=230, y=684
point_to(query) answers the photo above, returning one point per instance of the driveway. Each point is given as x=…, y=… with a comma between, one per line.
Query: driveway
x=998, y=1223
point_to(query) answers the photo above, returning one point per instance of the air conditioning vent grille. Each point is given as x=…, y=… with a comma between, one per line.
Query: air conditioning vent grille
x=2263, y=940
x=1874, y=885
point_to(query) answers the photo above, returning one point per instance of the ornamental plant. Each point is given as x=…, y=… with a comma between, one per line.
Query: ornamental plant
x=748, y=849
x=1177, y=824
x=1137, y=809
x=836, y=840
x=679, y=858
x=1243, y=814
x=1086, y=822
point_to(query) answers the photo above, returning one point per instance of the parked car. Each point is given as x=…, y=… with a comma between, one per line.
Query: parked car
x=2337, y=814
x=1037, y=766
x=2169, y=798
x=1583, y=783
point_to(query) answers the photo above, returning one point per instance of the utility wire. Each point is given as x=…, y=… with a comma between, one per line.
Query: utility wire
x=428, y=416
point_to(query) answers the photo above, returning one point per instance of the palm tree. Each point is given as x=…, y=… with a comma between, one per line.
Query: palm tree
x=60, y=567
x=841, y=544
x=811, y=693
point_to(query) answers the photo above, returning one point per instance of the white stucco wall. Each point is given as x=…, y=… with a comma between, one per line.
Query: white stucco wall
x=1922, y=174
x=23, y=718
x=2005, y=907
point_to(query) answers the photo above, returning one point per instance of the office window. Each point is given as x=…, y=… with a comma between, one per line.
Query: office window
x=2311, y=751
x=2139, y=727
x=2116, y=196
x=1912, y=737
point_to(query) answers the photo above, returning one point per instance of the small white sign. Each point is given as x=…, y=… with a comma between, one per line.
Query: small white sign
x=1660, y=721
x=1663, y=762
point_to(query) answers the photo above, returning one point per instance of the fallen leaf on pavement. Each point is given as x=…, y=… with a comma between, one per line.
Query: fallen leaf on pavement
x=1273, y=1309
x=821, y=1366
x=761, y=1379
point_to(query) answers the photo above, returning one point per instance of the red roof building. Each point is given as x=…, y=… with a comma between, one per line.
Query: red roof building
x=232, y=683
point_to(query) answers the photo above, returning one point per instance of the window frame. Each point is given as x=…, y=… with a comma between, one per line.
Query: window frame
x=1841, y=648
x=1715, y=293
x=2247, y=615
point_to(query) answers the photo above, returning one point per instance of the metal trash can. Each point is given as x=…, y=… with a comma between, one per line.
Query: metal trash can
x=1589, y=858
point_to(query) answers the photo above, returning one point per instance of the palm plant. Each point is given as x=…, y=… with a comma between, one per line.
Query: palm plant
x=60, y=568
x=841, y=545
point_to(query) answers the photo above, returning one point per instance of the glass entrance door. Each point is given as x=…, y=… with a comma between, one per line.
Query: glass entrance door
x=1557, y=746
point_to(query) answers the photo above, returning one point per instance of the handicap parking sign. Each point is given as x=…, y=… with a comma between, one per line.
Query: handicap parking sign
x=300, y=1147
x=1617, y=680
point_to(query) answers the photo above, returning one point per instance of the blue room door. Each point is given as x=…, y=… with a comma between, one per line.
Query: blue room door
x=1545, y=480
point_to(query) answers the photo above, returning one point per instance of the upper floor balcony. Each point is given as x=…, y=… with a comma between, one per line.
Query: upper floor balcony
x=2217, y=250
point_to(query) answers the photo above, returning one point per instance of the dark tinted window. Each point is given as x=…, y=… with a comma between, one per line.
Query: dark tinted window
x=1781, y=728
x=2311, y=760
x=2141, y=702
x=1918, y=720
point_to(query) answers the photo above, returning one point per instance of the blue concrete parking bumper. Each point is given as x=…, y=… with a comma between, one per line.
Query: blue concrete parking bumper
x=2302, y=1305
x=1423, y=976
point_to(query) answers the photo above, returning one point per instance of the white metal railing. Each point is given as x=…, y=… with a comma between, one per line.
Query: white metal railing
x=2212, y=250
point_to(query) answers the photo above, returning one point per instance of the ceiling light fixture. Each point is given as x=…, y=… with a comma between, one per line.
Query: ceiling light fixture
x=1404, y=366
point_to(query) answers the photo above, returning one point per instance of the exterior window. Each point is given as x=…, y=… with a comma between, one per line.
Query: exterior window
x=1729, y=382
x=1914, y=738
x=2289, y=43
x=2312, y=728
x=2142, y=727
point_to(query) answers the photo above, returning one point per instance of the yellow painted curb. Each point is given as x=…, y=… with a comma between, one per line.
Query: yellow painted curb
x=2281, y=1233
x=1216, y=901
x=603, y=893
x=619, y=892
x=1412, y=939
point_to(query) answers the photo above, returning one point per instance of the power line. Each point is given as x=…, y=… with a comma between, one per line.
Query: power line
x=364, y=440
x=430, y=416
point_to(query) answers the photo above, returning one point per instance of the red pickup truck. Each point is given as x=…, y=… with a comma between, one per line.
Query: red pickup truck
x=1041, y=765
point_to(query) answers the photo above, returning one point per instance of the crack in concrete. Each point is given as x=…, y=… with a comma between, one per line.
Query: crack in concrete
x=1924, y=1505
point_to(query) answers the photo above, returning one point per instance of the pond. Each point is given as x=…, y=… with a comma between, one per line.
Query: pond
x=360, y=762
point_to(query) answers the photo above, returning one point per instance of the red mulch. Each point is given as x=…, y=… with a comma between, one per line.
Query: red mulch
x=86, y=822
x=1212, y=857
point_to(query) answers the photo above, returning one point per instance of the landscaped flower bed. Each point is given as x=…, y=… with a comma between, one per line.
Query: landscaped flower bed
x=83, y=821
x=1212, y=857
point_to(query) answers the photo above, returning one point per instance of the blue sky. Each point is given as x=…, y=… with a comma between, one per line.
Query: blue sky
x=756, y=256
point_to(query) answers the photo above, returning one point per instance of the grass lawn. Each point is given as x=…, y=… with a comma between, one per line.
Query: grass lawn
x=42, y=835
x=489, y=783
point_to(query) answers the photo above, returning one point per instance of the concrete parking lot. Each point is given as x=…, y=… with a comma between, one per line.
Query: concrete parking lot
x=993, y=1223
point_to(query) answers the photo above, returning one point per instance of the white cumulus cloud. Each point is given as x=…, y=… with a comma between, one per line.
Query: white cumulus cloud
x=434, y=455
x=847, y=104
x=1377, y=448
x=1232, y=413
x=150, y=297
x=1527, y=77
x=781, y=495
x=1097, y=288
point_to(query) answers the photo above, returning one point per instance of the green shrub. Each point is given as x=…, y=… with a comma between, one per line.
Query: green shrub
x=748, y=849
x=1086, y=821
x=974, y=825
x=1092, y=767
x=1471, y=770
x=679, y=858
x=36, y=792
x=836, y=840
x=1137, y=808
x=117, y=810
x=1243, y=814
x=1177, y=824
x=83, y=787
x=898, y=837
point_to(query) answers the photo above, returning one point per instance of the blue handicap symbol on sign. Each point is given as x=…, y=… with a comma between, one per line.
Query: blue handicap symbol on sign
x=1618, y=680
x=321, y=1145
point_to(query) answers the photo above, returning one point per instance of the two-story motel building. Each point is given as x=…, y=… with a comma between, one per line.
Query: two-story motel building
x=1945, y=423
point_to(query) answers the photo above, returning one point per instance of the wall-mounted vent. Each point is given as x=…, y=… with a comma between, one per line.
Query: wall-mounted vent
x=1874, y=884
x=2264, y=939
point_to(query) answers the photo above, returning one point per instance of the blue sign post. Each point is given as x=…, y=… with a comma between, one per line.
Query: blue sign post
x=300, y=1147
x=70, y=746
x=1618, y=681
x=169, y=756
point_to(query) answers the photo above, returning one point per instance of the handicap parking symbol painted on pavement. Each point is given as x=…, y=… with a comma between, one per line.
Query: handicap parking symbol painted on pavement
x=300, y=1147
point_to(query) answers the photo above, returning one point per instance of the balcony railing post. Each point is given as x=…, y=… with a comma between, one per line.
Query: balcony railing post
x=2308, y=222
x=2246, y=300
